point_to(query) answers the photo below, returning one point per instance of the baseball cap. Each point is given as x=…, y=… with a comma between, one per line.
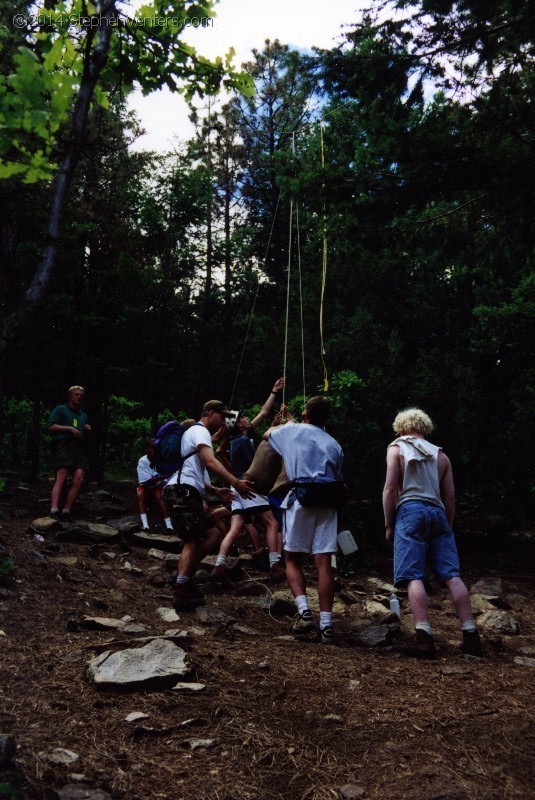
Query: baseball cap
x=217, y=405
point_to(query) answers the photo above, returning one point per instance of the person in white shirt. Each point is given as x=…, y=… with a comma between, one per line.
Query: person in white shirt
x=150, y=485
x=184, y=497
x=309, y=452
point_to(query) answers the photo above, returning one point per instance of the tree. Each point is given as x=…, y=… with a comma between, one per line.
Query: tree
x=150, y=53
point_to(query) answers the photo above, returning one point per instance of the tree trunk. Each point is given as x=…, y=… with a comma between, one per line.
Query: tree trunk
x=94, y=61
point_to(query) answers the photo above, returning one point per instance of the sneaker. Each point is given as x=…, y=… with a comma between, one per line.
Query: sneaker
x=55, y=514
x=66, y=516
x=327, y=635
x=471, y=645
x=304, y=623
x=421, y=646
x=184, y=599
x=277, y=572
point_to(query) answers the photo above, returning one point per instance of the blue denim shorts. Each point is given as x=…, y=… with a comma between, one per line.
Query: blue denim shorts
x=423, y=536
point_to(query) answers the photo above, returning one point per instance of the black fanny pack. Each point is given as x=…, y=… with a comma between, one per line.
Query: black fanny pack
x=321, y=495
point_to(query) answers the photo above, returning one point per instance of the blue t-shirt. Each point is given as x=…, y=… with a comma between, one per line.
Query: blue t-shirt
x=308, y=452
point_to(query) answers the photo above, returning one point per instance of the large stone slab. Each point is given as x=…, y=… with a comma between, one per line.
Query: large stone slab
x=499, y=622
x=488, y=587
x=125, y=524
x=162, y=541
x=45, y=525
x=158, y=663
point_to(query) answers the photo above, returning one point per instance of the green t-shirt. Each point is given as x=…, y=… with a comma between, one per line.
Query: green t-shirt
x=65, y=415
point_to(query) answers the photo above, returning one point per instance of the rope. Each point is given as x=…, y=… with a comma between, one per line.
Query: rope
x=323, y=270
x=251, y=315
x=287, y=299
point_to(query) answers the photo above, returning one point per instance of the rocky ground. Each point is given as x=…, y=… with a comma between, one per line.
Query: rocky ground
x=107, y=694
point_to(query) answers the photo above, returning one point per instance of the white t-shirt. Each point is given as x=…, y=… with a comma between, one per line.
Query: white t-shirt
x=193, y=470
x=144, y=470
x=308, y=451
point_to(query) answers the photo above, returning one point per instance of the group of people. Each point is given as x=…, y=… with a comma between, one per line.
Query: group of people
x=290, y=484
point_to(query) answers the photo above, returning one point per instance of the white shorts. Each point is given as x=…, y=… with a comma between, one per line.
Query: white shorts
x=310, y=530
x=241, y=505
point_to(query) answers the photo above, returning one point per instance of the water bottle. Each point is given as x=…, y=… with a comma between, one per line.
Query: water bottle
x=394, y=605
x=346, y=543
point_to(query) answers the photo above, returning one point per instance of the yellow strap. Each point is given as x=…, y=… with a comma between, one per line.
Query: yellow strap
x=323, y=272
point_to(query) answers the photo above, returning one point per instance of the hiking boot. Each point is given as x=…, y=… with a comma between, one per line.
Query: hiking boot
x=421, y=646
x=304, y=623
x=471, y=645
x=218, y=574
x=55, y=514
x=326, y=635
x=277, y=573
x=260, y=559
x=184, y=599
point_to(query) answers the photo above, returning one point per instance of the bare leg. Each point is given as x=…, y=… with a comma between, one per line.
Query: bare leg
x=77, y=481
x=418, y=601
x=61, y=477
x=141, y=500
x=236, y=527
x=294, y=574
x=188, y=559
x=255, y=536
x=272, y=529
x=322, y=562
x=211, y=542
x=460, y=598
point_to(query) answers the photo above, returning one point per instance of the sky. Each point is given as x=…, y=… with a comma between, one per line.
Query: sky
x=243, y=25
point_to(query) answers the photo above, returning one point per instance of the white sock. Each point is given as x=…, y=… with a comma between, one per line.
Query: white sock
x=326, y=619
x=469, y=626
x=181, y=579
x=168, y=524
x=301, y=602
x=423, y=626
x=144, y=520
x=221, y=561
x=274, y=558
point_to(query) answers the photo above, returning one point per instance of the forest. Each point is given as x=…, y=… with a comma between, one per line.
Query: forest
x=360, y=218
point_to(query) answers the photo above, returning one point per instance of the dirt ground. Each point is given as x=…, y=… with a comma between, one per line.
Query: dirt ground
x=286, y=718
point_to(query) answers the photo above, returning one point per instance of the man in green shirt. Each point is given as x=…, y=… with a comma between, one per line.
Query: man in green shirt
x=68, y=425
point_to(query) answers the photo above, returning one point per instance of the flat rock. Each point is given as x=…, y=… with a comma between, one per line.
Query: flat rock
x=125, y=524
x=135, y=716
x=167, y=614
x=96, y=532
x=488, y=587
x=351, y=791
x=45, y=524
x=372, y=608
x=162, y=541
x=159, y=554
x=480, y=604
x=499, y=622
x=210, y=615
x=103, y=623
x=186, y=688
x=377, y=635
x=245, y=630
x=194, y=744
x=59, y=755
x=524, y=661
x=73, y=791
x=381, y=586
x=159, y=661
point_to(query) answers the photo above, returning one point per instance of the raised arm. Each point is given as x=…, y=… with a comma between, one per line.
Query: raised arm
x=267, y=408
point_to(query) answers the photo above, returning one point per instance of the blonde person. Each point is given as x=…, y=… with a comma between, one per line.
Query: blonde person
x=419, y=506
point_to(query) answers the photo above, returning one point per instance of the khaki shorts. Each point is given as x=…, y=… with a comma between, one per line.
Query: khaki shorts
x=70, y=453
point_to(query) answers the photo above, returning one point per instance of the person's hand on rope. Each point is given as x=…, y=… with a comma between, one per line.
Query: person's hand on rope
x=283, y=415
x=278, y=385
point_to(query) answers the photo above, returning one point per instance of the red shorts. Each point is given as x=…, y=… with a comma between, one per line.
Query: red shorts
x=156, y=490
